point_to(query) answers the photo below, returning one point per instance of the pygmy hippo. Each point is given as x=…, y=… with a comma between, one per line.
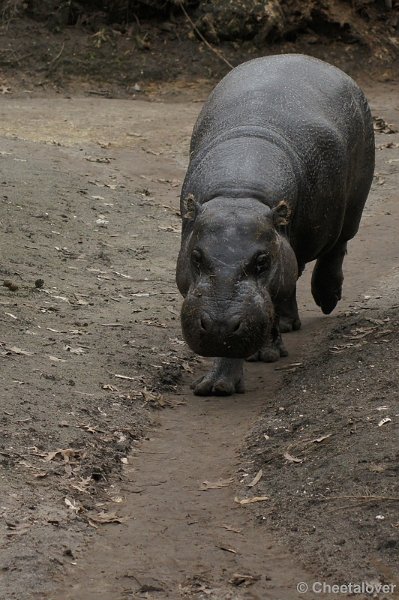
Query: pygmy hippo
x=281, y=163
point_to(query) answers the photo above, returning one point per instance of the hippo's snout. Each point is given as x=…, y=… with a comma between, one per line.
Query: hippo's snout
x=225, y=333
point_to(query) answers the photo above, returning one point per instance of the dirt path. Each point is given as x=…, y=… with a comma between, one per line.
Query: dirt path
x=176, y=540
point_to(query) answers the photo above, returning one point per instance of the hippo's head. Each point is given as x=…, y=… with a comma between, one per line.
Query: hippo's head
x=232, y=262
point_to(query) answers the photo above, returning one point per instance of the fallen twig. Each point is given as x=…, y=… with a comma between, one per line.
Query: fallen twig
x=197, y=31
x=52, y=62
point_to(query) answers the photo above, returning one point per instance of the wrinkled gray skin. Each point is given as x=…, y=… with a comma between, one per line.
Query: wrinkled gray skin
x=281, y=162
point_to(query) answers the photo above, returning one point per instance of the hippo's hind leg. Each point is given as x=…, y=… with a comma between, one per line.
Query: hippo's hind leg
x=327, y=277
x=225, y=378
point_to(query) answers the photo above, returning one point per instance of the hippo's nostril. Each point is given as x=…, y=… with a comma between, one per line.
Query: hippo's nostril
x=205, y=322
x=237, y=327
x=234, y=324
x=219, y=327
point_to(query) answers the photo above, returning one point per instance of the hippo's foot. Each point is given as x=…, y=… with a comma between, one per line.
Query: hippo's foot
x=326, y=288
x=224, y=379
x=327, y=278
x=287, y=324
x=271, y=352
x=326, y=299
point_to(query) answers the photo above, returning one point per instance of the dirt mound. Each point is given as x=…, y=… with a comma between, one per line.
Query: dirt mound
x=327, y=447
x=371, y=23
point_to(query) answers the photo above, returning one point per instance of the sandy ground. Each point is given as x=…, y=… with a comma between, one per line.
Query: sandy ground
x=91, y=347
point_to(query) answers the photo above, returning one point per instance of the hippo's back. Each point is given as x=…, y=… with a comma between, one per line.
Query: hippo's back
x=291, y=94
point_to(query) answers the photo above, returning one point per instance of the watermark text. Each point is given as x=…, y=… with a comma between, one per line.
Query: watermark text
x=362, y=587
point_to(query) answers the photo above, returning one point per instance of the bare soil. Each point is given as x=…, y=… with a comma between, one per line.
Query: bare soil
x=104, y=451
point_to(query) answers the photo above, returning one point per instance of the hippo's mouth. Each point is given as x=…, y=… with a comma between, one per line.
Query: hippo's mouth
x=233, y=347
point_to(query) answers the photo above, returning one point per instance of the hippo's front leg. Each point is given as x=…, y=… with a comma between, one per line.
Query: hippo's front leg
x=225, y=378
x=289, y=316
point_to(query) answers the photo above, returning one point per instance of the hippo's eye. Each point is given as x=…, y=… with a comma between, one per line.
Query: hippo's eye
x=196, y=257
x=262, y=263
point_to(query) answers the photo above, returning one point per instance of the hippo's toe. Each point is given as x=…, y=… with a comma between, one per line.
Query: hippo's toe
x=287, y=324
x=209, y=385
x=270, y=352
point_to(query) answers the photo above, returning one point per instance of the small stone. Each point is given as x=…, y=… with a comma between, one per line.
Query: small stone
x=10, y=285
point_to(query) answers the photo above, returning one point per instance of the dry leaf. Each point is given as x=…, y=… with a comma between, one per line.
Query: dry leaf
x=98, y=159
x=384, y=420
x=117, y=499
x=256, y=479
x=381, y=126
x=290, y=367
x=80, y=301
x=89, y=428
x=244, y=580
x=55, y=358
x=227, y=549
x=321, y=438
x=214, y=485
x=104, y=518
x=66, y=454
x=78, y=350
x=291, y=459
x=155, y=399
x=229, y=528
x=82, y=485
x=40, y=474
x=72, y=504
x=154, y=323
x=16, y=350
x=122, y=275
x=169, y=228
x=125, y=377
x=246, y=501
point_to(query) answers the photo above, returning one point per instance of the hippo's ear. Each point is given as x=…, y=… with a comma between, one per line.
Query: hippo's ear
x=191, y=208
x=281, y=214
